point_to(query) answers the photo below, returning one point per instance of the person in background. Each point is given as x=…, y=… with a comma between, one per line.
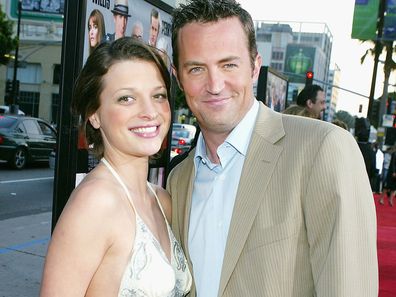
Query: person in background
x=137, y=30
x=265, y=205
x=155, y=25
x=389, y=188
x=312, y=97
x=298, y=110
x=113, y=237
x=340, y=123
x=362, y=135
x=120, y=16
x=96, y=29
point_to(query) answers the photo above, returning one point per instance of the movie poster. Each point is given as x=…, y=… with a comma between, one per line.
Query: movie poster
x=108, y=20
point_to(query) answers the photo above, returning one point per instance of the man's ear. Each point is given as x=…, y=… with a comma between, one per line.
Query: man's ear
x=174, y=71
x=257, y=66
x=94, y=120
x=309, y=103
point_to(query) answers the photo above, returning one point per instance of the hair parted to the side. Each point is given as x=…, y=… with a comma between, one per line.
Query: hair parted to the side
x=89, y=83
x=98, y=20
x=206, y=11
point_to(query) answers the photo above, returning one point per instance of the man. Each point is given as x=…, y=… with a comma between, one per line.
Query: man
x=120, y=15
x=137, y=31
x=154, y=27
x=266, y=204
x=312, y=97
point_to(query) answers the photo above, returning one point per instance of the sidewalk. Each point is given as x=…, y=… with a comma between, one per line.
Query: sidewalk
x=23, y=245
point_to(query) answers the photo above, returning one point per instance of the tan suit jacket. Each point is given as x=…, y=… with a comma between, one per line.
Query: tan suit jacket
x=304, y=221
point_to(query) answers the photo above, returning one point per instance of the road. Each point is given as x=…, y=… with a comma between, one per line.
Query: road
x=25, y=192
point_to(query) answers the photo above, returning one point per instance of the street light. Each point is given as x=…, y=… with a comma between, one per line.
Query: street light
x=15, y=84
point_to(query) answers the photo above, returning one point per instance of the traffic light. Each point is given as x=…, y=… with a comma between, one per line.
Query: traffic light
x=374, y=116
x=309, y=78
x=16, y=88
x=8, y=89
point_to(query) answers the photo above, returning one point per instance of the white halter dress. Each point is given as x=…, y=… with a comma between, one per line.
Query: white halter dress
x=148, y=272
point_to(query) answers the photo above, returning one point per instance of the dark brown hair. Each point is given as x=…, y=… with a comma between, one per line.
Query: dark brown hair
x=206, y=11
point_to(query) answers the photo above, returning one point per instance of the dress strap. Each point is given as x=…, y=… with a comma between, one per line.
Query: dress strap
x=159, y=203
x=118, y=178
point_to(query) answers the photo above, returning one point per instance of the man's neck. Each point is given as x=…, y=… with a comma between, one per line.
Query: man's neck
x=212, y=142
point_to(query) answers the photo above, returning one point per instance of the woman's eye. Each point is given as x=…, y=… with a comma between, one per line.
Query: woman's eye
x=161, y=96
x=126, y=99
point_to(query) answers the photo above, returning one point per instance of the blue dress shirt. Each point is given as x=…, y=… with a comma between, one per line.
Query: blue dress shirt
x=213, y=198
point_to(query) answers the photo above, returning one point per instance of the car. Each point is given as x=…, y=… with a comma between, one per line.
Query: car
x=25, y=140
x=4, y=109
x=182, y=137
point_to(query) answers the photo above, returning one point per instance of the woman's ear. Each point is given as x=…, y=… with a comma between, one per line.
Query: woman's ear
x=94, y=120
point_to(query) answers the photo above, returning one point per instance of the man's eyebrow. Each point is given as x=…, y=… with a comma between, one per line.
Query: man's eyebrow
x=229, y=59
x=224, y=60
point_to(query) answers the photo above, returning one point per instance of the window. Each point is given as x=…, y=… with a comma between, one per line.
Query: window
x=29, y=73
x=277, y=55
x=31, y=127
x=57, y=74
x=20, y=129
x=46, y=129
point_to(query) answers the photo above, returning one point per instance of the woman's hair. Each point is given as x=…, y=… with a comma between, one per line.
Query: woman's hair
x=89, y=83
x=98, y=20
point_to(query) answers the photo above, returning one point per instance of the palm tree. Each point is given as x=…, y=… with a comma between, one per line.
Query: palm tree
x=389, y=66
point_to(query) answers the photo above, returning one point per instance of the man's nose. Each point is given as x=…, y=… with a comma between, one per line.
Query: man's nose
x=215, y=83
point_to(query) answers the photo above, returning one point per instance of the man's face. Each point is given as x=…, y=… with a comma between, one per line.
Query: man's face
x=154, y=28
x=319, y=106
x=137, y=32
x=216, y=74
x=120, y=23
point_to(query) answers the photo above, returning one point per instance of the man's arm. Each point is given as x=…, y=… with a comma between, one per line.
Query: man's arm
x=340, y=220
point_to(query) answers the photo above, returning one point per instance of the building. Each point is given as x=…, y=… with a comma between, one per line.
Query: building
x=39, y=56
x=332, y=92
x=293, y=48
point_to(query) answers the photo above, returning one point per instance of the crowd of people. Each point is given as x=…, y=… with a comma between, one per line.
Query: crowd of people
x=266, y=204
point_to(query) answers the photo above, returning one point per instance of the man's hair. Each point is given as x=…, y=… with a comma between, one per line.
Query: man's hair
x=308, y=93
x=206, y=11
x=155, y=14
x=89, y=83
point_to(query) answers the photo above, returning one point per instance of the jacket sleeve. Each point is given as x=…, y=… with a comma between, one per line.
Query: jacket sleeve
x=340, y=219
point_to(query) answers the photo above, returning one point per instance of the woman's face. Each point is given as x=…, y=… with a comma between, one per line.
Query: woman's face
x=134, y=113
x=93, y=32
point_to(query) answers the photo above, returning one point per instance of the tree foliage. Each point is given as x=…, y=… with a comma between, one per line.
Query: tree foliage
x=7, y=41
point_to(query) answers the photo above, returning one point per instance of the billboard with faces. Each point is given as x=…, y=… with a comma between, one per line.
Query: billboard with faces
x=108, y=20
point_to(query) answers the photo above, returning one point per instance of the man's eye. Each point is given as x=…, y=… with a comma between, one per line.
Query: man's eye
x=195, y=70
x=230, y=66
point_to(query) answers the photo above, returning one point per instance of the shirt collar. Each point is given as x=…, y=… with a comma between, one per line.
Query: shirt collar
x=239, y=137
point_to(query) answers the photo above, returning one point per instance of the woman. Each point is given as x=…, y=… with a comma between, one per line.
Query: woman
x=113, y=237
x=96, y=29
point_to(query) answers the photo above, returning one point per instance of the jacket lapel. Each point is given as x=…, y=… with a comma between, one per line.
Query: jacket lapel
x=260, y=162
x=185, y=181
